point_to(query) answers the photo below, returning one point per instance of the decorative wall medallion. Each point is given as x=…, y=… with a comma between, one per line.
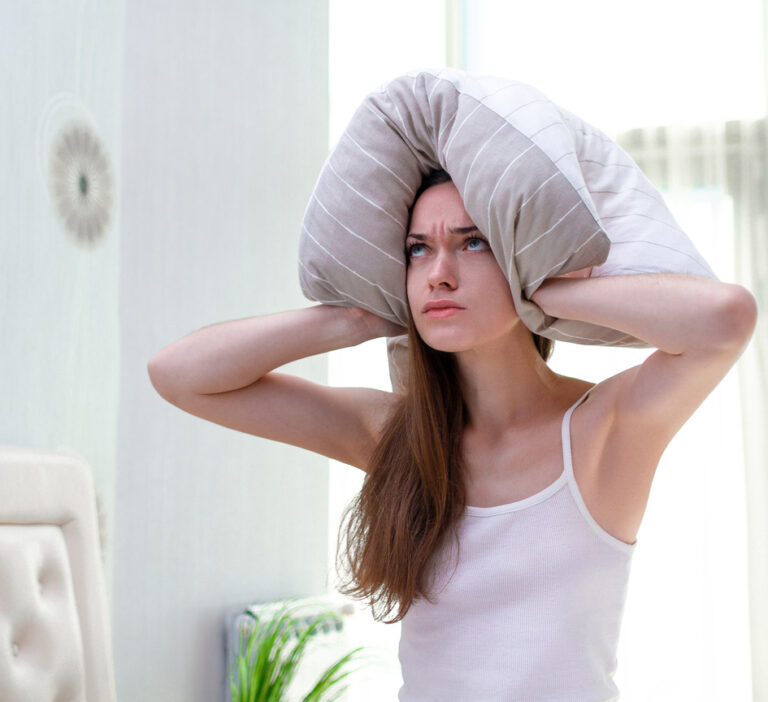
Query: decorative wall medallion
x=81, y=183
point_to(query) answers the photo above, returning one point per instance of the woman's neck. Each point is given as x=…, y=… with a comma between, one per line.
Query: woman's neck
x=506, y=383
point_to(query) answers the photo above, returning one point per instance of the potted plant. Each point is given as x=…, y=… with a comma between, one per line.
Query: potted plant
x=267, y=659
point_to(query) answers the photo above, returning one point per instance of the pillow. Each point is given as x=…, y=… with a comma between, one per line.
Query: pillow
x=526, y=170
x=511, y=157
x=645, y=237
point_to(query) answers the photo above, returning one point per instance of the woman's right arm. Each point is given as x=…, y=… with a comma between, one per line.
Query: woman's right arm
x=224, y=373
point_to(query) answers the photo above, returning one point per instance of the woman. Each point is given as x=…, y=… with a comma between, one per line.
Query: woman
x=501, y=500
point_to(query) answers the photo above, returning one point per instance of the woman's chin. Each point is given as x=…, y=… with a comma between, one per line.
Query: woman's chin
x=446, y=345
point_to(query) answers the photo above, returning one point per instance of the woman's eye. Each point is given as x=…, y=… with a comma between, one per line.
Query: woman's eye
x=477, y=238
x=412, y=248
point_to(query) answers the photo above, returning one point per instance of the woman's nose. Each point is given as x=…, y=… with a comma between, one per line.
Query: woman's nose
x=443, y=270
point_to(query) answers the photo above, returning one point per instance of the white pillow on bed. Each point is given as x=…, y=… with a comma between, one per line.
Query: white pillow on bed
x=551, y=193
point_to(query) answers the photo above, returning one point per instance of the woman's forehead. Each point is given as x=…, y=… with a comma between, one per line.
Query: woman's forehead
x=459, y=231
x=440, y=204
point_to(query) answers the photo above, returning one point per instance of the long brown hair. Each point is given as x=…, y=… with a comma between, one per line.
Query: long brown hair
x=413, y=493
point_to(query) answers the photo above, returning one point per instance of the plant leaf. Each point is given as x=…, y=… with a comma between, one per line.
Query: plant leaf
x=266, y=665
x=327, y=680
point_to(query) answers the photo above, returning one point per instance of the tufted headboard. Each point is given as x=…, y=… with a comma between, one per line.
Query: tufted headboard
x=55, y=641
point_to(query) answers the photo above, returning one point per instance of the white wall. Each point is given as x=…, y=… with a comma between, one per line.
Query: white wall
x=60, y=341
x=215, y=121
x=225, y=129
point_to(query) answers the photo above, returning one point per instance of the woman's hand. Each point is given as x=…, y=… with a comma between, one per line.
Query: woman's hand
x=581, y=273
x=372, y=326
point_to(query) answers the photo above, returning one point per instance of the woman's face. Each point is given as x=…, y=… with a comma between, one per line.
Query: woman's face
x=455, y=266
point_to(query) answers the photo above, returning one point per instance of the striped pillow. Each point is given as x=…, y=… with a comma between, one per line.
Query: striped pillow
x=526, y=171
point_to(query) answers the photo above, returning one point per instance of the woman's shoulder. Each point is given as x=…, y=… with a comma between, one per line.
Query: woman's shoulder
x=574, y=389
x=593, y=413
x=381, y=409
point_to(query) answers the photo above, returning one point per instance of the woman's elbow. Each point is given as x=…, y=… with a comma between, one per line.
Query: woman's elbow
x=738, y=315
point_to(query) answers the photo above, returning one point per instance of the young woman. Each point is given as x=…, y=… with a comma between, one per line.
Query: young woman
x=501, y=500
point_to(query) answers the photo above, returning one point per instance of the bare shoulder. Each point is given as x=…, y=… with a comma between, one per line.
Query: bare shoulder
x=623, y=428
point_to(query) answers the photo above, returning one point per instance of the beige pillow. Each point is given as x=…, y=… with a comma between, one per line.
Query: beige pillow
x=523, y=167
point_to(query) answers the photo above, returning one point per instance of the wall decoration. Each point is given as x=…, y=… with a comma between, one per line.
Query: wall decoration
x=81, y=184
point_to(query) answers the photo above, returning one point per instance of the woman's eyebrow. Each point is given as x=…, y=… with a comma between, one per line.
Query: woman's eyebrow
x=451, y=230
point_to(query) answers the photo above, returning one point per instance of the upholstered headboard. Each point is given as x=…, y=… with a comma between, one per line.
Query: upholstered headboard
x=55, y=639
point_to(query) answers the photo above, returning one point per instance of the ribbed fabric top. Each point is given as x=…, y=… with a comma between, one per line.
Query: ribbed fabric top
x=532, y=610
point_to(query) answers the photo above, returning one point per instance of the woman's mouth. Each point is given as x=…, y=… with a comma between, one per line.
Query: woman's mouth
x=441, y=312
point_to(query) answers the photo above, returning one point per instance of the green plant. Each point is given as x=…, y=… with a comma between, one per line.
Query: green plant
x=267, y=662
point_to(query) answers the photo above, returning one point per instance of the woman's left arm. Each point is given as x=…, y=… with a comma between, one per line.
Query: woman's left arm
x=700, y=327
x=672, y=312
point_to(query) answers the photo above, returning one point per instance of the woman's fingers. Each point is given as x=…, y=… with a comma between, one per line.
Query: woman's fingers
x=581, y=273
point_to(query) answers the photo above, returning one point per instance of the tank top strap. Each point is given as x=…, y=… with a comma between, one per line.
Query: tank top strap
x=566, y=434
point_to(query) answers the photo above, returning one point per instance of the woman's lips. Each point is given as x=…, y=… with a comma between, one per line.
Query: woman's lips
x=442, y=311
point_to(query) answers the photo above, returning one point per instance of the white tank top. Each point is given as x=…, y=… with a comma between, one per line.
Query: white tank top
x=533, y=610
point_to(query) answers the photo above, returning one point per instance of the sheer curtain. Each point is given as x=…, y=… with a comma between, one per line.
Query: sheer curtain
x=747, y=177
x=725, y=163
x=684, y=95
